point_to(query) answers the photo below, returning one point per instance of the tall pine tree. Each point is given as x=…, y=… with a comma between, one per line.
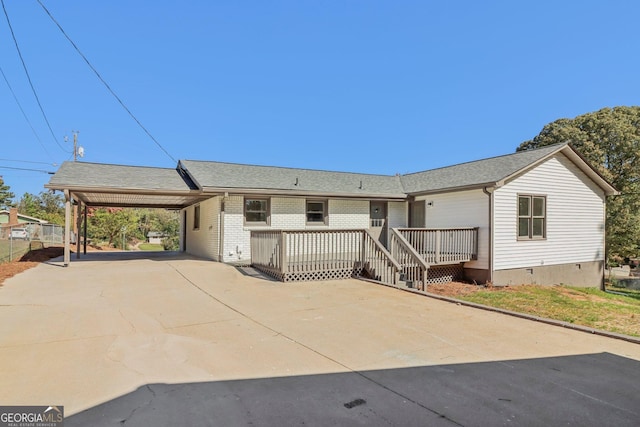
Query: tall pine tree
x=6, y=196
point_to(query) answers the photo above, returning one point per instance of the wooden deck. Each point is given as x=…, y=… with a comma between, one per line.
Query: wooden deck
x=416, y=256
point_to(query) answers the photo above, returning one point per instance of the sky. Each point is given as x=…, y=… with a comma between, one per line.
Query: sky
x=366, y=86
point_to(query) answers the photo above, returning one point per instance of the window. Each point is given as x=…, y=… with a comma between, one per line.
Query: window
x=196, y=217
x=532, y=217
x=256, y=211
x=316, y=211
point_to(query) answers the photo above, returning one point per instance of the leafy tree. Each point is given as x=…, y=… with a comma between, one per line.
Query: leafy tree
x=106, y=224
x=163, y=221
x=610, y=140
x=6, y=196
x=46, y=205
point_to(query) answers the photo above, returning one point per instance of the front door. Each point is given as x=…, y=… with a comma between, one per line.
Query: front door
x=378, y=221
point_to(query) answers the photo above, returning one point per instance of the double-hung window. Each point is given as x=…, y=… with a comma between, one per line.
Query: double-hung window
x=532, y=217
x=316, y=212
x=256, y=211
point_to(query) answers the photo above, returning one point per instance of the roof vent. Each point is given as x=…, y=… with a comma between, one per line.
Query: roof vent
x=296, y=184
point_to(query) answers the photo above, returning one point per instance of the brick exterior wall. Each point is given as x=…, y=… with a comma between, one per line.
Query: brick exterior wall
x=287, y=213
x=349, y=213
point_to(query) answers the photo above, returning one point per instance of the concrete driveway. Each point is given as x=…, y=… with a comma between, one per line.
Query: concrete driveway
x=168, y=340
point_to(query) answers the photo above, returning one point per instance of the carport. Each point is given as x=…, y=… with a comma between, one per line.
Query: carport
x=103, y=185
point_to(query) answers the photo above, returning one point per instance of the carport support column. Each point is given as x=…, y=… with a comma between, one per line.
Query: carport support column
x=67, y=228
x=78, y=227
x=84, y=233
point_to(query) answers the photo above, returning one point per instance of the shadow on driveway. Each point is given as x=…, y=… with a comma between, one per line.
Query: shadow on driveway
x=585, y=390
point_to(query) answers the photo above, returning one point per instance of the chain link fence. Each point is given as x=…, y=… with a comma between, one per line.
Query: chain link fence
x=17, y=240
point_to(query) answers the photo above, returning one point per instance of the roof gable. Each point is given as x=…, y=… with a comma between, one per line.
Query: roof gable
x=473, y=174
x=495, y=171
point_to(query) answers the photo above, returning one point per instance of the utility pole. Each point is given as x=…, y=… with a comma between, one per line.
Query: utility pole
x=75, y=145
x=76, y=221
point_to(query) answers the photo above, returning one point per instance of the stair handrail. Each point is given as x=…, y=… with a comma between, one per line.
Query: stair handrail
x=384, y=250
x=410, y=249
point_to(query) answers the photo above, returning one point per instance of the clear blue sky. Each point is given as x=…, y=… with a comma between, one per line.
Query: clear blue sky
x=362, y=86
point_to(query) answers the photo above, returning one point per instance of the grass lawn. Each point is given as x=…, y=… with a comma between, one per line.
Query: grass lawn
x=150, y=247
x=20, y=247
x=582, y=306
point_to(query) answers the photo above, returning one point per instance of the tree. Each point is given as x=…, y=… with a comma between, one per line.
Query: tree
x=107, y=224
x=163, y=221
x=6, y=196
x=610, y=140
x=47, y=206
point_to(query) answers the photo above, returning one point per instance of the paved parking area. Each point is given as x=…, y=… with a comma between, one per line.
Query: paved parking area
x=169, y=340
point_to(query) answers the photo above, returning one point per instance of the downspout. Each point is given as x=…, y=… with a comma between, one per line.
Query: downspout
x=604, y=242
x=489, y=192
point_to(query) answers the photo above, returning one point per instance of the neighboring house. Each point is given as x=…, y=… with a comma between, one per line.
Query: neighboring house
x=155, y=237
x=531, y=217
x=13, y=217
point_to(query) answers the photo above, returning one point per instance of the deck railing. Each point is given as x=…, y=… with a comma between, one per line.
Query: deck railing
x=299, y=255
x=413, y=266
x=443, y=246
x=292, y=255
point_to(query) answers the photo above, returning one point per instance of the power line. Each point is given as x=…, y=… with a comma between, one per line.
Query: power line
x=29, y=161
x=24, y=65
x=104, y=82
x=24, y=114
x=27, y=169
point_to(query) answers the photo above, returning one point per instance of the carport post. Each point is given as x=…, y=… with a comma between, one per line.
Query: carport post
x=84, y=250
x=77, y=228
x=67, y=228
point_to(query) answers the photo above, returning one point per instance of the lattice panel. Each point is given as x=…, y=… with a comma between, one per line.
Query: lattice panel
x=444, y=274
x=307, y=276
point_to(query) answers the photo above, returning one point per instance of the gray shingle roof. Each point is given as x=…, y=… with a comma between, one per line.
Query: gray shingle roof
x=476, y=173
x=192, y=176
x=239, y=176
x=99, y=175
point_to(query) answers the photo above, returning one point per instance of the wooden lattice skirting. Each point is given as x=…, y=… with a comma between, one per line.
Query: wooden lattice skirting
x=444, y=274
x=306, y=276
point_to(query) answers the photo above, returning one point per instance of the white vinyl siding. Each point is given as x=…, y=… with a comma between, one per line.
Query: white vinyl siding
x=574, y=217
x=461, y=209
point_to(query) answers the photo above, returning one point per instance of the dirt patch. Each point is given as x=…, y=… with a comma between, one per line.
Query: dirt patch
x=455, y=289
x=28, y=260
